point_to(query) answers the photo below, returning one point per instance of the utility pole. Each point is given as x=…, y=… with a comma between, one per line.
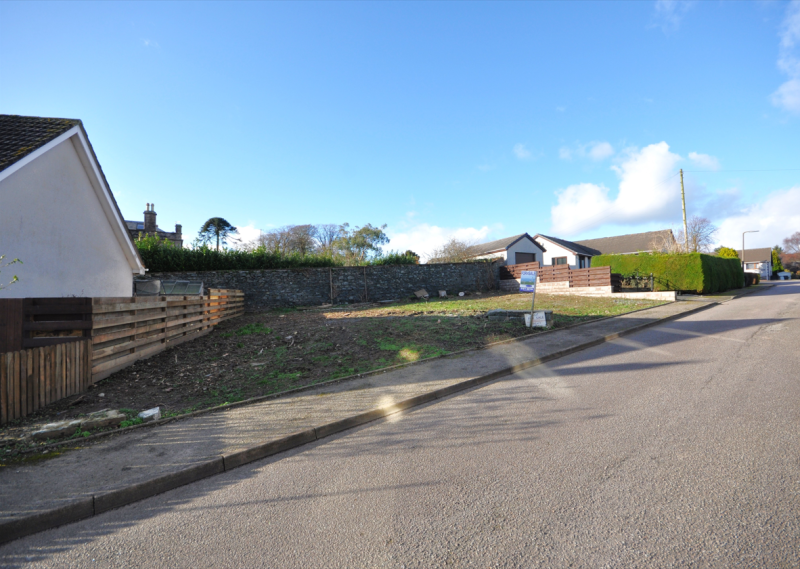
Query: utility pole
x=685, y=227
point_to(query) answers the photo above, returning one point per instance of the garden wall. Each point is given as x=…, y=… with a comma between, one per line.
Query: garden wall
x=274, y=288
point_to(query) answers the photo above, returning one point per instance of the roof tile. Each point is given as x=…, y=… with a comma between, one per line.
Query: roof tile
x=19, y=136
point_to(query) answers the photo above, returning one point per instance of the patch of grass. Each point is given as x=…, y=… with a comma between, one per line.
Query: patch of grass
x=277, y=376
x=131, y=422
x=253, y=328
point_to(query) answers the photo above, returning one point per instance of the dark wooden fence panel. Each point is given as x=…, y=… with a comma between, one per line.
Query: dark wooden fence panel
x=35, y=377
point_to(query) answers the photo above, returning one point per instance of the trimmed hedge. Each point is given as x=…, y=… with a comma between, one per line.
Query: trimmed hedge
x=687, y=272
x=161, y=257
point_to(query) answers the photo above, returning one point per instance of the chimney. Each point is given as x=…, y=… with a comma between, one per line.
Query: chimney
x=178, y=228
x=150, y=219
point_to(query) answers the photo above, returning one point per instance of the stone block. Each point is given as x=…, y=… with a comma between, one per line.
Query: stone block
x=153, y=414
x=101, y=419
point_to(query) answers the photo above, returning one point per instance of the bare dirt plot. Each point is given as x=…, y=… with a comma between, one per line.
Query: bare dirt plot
x=268, y=352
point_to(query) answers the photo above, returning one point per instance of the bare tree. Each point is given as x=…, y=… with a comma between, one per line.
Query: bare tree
x=791, y=252
x=701, y=238
x=791, y=244
x=454, y=251
x=326, y=236
x=300, y=239
x=666, y=244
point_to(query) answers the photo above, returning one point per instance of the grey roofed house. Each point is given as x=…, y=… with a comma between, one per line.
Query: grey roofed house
x=520, y=248
x=762, y=255
x=757, y=261
x=569, y=245
x=628, y=244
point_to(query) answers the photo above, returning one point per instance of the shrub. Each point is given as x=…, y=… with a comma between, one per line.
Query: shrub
x=751, y=278
x=689, y=272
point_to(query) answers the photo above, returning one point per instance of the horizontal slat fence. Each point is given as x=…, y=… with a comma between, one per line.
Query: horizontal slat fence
x=108, y=333
x=125, y=330
x=33, y=378
x=597, y=276
x=515, y=271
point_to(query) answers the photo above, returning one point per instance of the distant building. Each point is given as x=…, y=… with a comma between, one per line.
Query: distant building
x=58, y=215
x=513, y=250
x=148, y=227
x=757, y=261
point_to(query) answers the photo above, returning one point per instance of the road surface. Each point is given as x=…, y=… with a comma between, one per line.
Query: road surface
x=678, y=446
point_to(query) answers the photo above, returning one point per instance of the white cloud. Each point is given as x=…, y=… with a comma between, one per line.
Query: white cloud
x=777, y=217
x=561, y=109
x=643, y=194
x=521, y=152
x=669, y=13
x=596, y=151
x=248, y=233
x=424, y=238
x=787, y=96
x=150, y=43
x=485, y=167
x=704, y=160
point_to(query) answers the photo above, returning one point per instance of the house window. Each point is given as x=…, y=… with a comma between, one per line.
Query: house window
x=751, y=266
x=559, y=261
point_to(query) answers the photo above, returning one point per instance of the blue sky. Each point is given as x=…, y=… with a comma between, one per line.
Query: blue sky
x=475, y=120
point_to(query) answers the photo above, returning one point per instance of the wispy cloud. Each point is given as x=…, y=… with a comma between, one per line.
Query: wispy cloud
x=485, y=167
x=521, y=152
x=643, y=195
x=561, y=109
x=704, y=160
x=596, y=151
x=150, y=43
x=669, y=14
x=787, y=96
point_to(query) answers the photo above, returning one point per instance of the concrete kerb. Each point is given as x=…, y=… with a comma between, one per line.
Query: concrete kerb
x=261, y=398
x=98, y=504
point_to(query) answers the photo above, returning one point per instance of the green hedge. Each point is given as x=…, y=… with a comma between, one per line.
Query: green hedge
x=159, y=257
x=687, y=272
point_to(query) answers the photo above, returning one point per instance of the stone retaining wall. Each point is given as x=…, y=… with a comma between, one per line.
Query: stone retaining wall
x=310, y=287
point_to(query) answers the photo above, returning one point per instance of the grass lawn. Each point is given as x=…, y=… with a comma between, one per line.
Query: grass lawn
x=267, y=352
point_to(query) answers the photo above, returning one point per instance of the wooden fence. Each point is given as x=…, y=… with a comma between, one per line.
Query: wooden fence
x=597, y=276
x=33, y=378
x=113, y=333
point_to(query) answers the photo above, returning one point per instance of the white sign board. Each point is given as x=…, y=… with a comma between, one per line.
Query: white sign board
x=539, y=320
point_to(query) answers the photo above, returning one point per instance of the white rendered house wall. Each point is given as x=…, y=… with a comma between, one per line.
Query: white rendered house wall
x=52, y=220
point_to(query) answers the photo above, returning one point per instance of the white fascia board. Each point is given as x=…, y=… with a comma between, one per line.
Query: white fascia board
x=106, y=200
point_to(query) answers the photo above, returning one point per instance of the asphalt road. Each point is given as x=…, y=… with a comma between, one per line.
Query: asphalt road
x=674, y=447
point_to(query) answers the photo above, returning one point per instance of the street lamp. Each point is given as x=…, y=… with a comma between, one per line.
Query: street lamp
x=756, y=231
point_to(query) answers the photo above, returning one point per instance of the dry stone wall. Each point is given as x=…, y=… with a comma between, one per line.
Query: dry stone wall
x=308, y=287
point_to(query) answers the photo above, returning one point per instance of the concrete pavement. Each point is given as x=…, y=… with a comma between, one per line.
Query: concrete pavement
x=677, y=446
